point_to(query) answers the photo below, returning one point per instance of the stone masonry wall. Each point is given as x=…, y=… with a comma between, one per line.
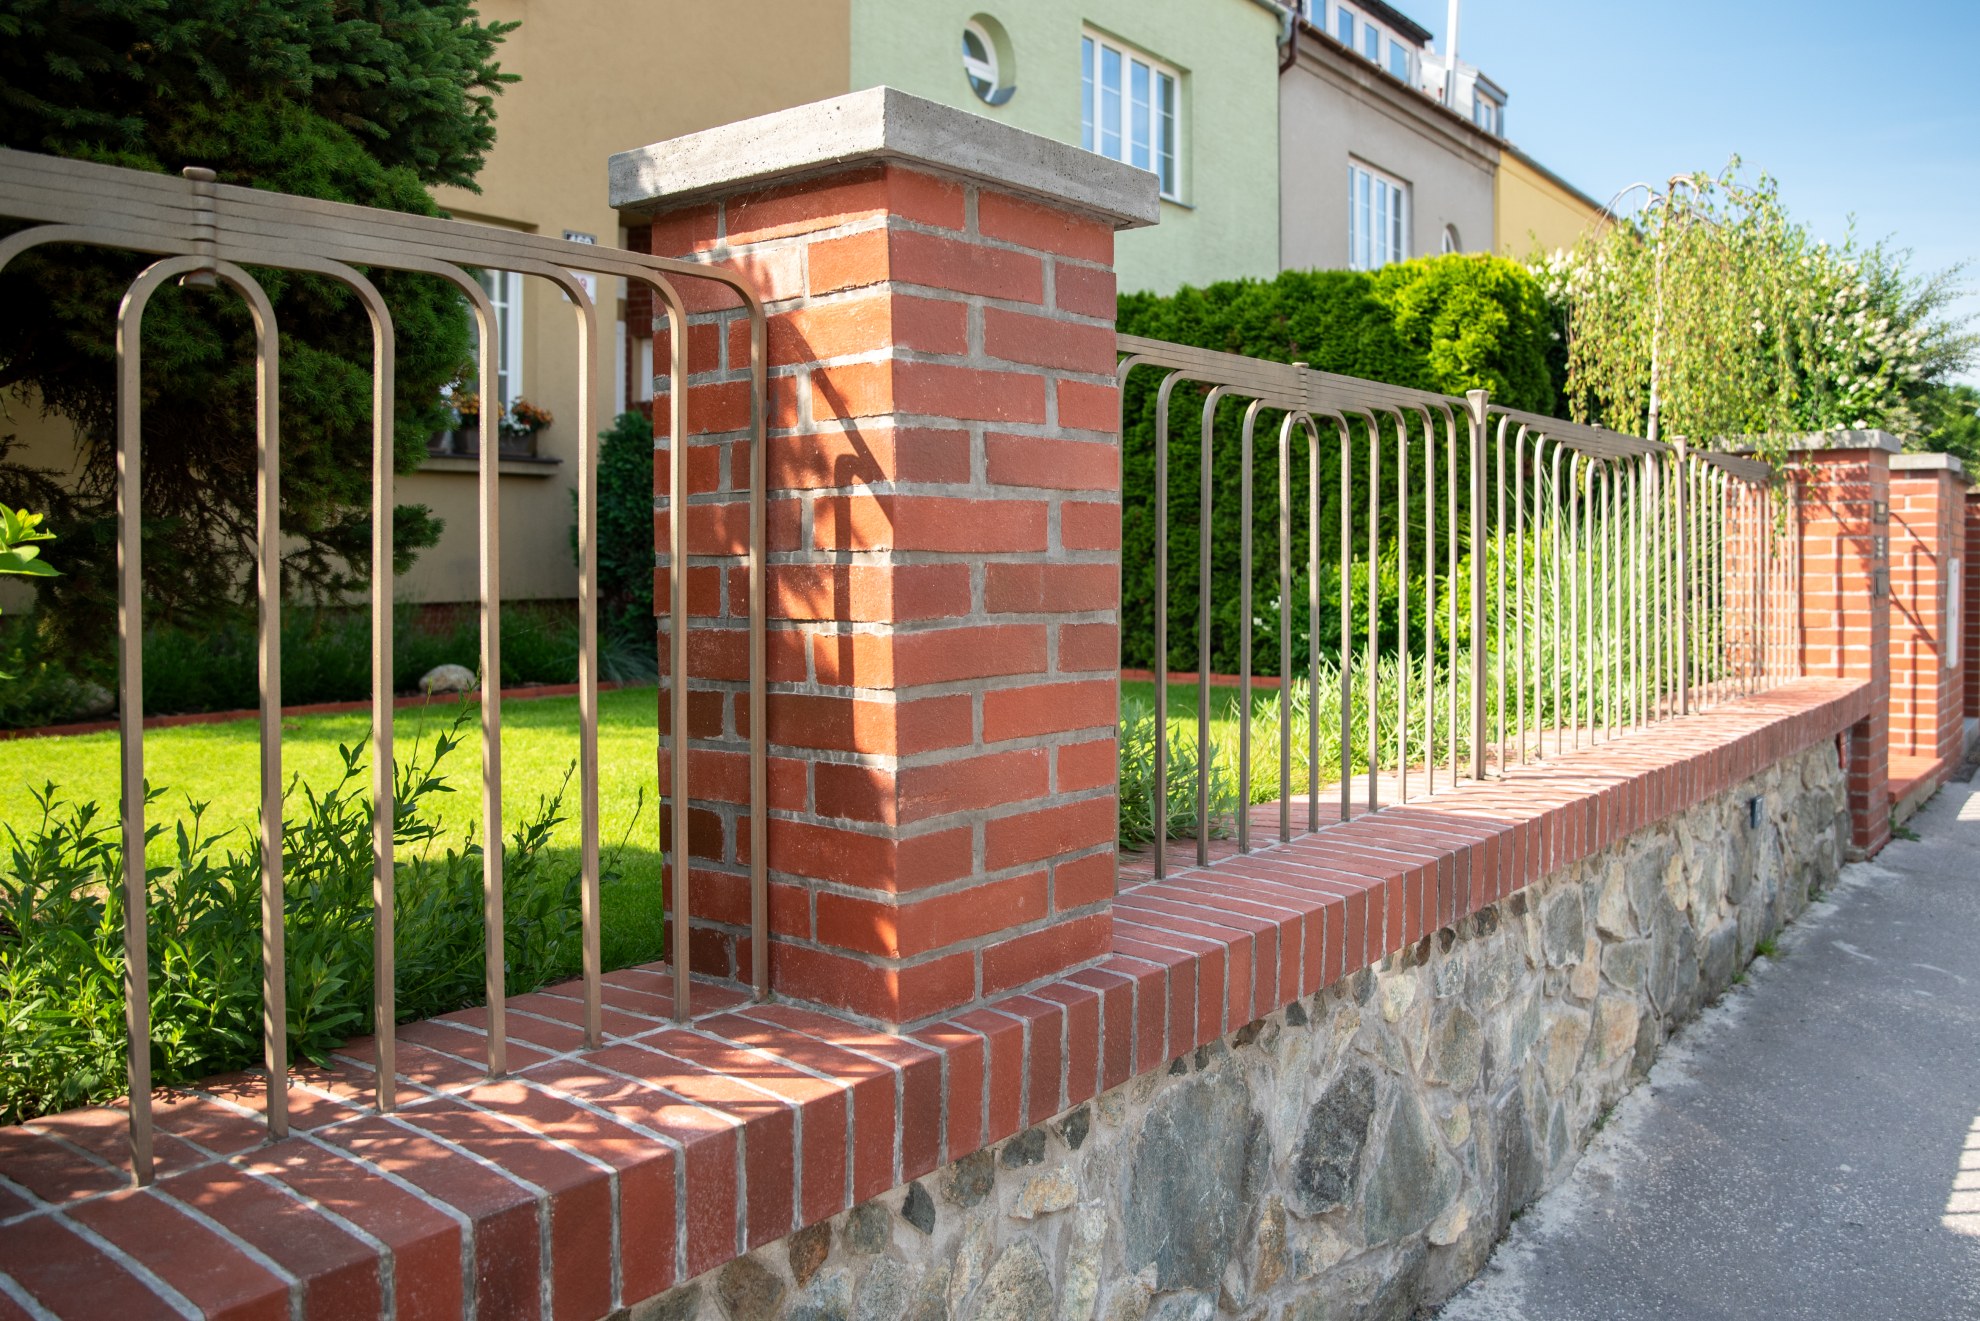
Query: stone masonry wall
x=1356, y=1154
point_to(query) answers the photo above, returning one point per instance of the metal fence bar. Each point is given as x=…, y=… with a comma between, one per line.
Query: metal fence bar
x=202, y=229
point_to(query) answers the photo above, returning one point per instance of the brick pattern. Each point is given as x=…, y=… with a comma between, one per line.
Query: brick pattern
x=587, y=1182
x=1842, y=502
x=1969, y=652
x=944, y=573
x=1928, y=533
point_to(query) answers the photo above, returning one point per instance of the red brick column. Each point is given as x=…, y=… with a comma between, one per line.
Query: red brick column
x=1928, y=537
x=1844, y=489
x=944, y=575
x=1969, y=651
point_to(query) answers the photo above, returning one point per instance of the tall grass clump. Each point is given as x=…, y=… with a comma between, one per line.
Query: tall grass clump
x=62, y=1039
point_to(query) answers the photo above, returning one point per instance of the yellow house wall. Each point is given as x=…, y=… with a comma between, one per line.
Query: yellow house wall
x=598, y=76
x=1535, y=213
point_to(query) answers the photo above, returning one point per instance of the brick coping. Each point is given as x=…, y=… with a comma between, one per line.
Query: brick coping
x=585, y=1182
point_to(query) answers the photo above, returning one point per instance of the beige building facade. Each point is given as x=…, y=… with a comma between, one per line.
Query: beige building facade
x=1537, y=211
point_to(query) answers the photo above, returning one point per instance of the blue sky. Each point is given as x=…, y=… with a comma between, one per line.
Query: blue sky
x=1871, y=109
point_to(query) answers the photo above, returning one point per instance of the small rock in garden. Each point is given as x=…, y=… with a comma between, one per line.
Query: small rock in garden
x=93, y=701
x=447, y=679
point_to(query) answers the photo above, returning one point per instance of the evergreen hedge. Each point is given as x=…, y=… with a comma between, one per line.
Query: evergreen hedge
x=1448, y=324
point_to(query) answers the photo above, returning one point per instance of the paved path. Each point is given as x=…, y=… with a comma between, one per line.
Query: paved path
x=1809, y=1148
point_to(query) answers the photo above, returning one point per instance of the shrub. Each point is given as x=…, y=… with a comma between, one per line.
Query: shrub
x=62, y=1041
x=625, y=525
x=1447, y=324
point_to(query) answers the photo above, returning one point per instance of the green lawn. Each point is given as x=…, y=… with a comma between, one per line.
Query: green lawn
x=218, y=764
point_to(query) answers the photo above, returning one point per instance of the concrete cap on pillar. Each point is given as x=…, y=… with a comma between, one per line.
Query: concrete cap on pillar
x=883, y=124
x=1931, y=463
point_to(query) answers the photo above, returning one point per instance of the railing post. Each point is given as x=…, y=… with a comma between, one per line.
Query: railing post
x=1475, y=402
x=943, y=585
x=1681, y=487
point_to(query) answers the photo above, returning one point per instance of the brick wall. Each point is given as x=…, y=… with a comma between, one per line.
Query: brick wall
x=943, y=586
x=1928, y=533
x=1970, y=610
x=1843, y=522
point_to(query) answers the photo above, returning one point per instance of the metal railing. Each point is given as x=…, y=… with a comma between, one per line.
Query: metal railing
x=208, y=234
x=1589, y=582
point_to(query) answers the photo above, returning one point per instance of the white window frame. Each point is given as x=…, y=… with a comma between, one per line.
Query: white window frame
x=1408, y=55
x=1488, y=112
x=1145, y=127
x=505, y=295
x=1378, y=217
x=1344, y=25
x=983, y=74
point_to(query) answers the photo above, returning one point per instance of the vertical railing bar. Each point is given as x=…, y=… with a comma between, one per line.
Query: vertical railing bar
x=1450, y=591
x=1206, y=469
x=1374, y=685
x=1161, y=804
x=1285, y=626
x=1429, y=608
x=1555, y=520
x=130, y=710
x=384, y=790
x=1313, y=628
x=489, y=535
x=1681, y=578
x=1521, y=534
x=1403, y=675
x=1499, y=636
x=1638, y=660
x=1575, y=473
x=589, y=896
x=1347, y=611
x=1245, y=617
x=1611, y=617
x=680, y=853
x=268, y=648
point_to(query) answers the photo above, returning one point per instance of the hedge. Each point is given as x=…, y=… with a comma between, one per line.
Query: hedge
x=1448, y=324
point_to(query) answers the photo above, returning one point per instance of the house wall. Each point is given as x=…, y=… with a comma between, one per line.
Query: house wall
x=1534, y=210
x=1226, y=50
x=554, y=129
x=1334, y=106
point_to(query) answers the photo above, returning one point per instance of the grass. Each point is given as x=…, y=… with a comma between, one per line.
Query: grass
x=218, y=765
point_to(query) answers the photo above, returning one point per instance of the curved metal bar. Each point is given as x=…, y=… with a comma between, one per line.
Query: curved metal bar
x=130, y=715
x=384, y=888
x=1204, y=502
x=1161, y=804
x=1244, y=626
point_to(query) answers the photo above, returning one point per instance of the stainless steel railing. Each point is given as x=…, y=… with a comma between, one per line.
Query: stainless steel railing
x=1588, y=582
x=207, y=233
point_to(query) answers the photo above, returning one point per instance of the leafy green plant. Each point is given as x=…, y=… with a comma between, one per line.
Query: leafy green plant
x=61, y=930
x=1448, y=323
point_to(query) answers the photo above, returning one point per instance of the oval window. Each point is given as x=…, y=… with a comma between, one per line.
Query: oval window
x=986, y=59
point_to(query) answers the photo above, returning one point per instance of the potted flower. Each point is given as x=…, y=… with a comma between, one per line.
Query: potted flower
x=520, y=423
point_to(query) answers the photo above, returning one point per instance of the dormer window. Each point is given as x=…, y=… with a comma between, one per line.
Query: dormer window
x=1489, y=114
x=1399, y=60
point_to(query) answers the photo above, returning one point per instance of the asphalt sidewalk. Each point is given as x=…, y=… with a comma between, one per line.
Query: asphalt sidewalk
x=1810, y=1146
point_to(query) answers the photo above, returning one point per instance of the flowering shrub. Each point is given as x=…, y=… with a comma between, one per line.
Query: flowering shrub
x=1754, y=326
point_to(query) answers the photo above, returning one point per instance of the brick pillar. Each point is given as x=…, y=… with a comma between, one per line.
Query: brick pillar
x=1844, y=481
x=1969, y=652
x=944, y=581
x=1928, y=537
